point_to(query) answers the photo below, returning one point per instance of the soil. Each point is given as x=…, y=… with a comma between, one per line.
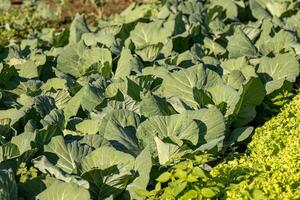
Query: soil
x=92, y=12
x=72, y=7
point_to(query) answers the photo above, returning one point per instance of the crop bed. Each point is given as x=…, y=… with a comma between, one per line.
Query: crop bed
x=163, y=101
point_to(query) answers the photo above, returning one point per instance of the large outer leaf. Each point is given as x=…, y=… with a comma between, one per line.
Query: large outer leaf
x=46, y=167
x=13, y=114
x=107, y=183
x=214, y=47
x=28, y=69
x=135, y=12
x=212, y=126
x=73, y=105
x=274, y=71
x=61, y=98
x=44, y=104
x=152, y=105
x=8, y=151
x=282, y=40
x=106, y=157
x=181, y=84
x=240, y=45
x=240, y=104
x=55, y=83
x=235, y=79
x=251, y=95
x=8, y=186
x=257, y=10
x=92, y=39
x=175, y=127
x=64, y=191
x=108, y=171
x=88, y=126
x=76, y=59
x=66, y=156
x=119, y=127
x=143, y=165
x=238, y=64
x=165, y=151
x=150, y=53
x=77, y=28
x=239, y=134
x=23, y=141
x=88, y=97
x=55, y=117
x=92, y=95
x=126, y=64
x=230, y=7
x=95, y=141
x=145, y=34
x=127, y=103
x=225, y=94
x=277, y=8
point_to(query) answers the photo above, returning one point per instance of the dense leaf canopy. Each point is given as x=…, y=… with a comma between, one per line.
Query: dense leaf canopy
x=95, y=116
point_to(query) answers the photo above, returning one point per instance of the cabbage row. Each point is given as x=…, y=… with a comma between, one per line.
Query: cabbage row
x=94, y=112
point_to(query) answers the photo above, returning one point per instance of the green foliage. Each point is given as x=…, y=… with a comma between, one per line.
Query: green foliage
x=5, y=5
x=188, y=179
x=19, y=23
x=100, y=110
x=25, y=173
x=270, y=168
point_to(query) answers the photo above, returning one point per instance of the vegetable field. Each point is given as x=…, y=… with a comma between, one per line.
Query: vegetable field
x=165, y=100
